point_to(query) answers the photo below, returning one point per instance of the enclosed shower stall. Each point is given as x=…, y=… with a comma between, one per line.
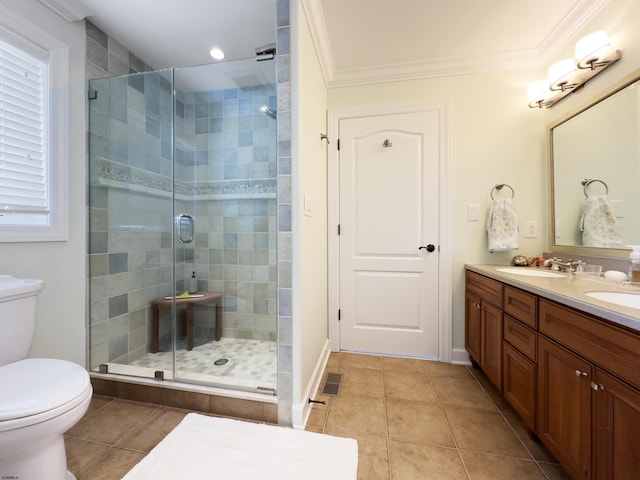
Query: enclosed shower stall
x=182, y=225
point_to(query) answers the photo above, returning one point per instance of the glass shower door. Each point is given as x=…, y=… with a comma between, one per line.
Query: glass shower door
x=182, y=218
x=225, y=178
x=131, y=228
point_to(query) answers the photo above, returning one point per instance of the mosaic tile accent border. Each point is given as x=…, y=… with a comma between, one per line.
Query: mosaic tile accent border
x=116, y=175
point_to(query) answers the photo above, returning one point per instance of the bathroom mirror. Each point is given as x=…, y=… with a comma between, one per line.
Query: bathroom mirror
x=595, y=152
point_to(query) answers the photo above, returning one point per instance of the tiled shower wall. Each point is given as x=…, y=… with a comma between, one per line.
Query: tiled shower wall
x=285, y=199
x=226, y=159
x=225, y=154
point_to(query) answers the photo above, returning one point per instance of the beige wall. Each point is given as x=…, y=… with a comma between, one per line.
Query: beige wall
x=309, y=173
x=60, y=331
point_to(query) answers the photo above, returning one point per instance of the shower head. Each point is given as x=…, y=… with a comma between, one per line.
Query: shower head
x=266, y=52
x=268, y=112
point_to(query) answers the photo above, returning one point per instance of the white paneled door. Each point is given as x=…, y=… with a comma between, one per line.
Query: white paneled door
x=389, y=233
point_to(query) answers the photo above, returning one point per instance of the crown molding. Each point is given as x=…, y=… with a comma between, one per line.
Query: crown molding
x=70, y=10
x=433, y=69
x=314, y=16
x=569, y=28
x=562, y=34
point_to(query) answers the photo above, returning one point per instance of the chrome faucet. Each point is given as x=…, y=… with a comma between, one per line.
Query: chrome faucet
x=569, y=266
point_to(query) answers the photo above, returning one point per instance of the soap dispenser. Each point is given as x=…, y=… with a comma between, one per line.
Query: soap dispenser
x=193, y=283
x=634, y=264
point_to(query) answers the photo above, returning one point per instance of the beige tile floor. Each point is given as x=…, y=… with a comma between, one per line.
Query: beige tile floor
x=413, y=420
x=416, y=420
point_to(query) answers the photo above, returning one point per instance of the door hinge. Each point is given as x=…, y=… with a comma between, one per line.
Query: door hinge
x=338, y=142
x=338, y=314
x=338, y=229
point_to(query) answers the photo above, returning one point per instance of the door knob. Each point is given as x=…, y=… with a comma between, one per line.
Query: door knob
x=429, y=248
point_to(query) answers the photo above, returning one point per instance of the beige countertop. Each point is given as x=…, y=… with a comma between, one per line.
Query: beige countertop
x=569, y=290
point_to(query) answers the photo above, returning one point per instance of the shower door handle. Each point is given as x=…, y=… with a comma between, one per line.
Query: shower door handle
x=185, y=228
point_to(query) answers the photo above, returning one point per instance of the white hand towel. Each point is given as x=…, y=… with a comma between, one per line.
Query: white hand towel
x=502, y=226
x=598, y=224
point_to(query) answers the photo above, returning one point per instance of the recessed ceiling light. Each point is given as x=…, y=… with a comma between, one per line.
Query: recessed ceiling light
x=216, y=53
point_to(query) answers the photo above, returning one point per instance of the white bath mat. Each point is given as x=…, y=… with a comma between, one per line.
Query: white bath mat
x=202, y=447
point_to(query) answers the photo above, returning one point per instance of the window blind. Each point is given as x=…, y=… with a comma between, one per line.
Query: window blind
x=23, y=132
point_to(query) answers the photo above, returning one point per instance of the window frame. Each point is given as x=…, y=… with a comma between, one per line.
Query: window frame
x=22, y=34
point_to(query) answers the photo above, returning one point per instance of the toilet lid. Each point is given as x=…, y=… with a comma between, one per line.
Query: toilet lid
x=36, y=385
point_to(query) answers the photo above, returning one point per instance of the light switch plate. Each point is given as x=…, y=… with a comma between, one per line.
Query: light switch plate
x=531, y=229
x=473, y=213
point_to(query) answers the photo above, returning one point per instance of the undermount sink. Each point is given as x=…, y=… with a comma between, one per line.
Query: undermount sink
x=623, y=299
x=531, y=272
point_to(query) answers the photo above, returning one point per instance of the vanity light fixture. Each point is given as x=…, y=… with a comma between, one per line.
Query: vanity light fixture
x=592, y=55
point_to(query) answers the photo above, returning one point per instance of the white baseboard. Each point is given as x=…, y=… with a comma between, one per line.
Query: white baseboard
x=300, y=411
x=459, y=356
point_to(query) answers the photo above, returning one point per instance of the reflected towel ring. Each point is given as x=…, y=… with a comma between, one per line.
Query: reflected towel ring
x=588, y=181
x=499, y=187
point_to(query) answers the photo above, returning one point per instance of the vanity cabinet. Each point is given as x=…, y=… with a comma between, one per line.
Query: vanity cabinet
x=572, y=377
x=616, y=423
x=564, y=407
x=519, y=353
x=483, y=325
x=519, y=384
x=602, y=413
x=472, y=326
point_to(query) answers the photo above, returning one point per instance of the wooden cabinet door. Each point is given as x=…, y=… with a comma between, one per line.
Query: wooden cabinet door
x=616, y=429
x=519, y=384
x=472, y=326
x=491, y=343
x=564, y=407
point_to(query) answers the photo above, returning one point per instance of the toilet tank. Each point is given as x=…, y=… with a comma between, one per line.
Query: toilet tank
x=17, y=317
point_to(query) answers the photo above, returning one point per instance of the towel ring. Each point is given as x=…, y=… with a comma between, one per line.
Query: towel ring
x=587, y=181
x=499, y=187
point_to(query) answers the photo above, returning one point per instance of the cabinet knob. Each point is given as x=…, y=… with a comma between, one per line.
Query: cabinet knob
x=597, y=386
x=581, y=374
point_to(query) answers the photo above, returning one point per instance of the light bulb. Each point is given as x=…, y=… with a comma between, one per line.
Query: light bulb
x=592, y=48
x=560, y=73
x=537, y=92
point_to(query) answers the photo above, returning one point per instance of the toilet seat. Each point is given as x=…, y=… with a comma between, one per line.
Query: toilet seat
x=37, y=389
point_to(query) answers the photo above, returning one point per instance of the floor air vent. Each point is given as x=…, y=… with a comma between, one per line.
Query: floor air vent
x=332, y=384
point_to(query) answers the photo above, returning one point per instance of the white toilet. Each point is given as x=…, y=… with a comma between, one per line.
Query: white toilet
x=40, y=398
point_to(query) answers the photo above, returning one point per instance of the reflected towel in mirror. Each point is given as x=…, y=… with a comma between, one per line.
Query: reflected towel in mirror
x=598, y=223
x=502, y=226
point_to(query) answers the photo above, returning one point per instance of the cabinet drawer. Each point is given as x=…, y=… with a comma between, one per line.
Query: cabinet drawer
x=521, y=305
x=610, y=346
x=520, y=336
x=486, y=288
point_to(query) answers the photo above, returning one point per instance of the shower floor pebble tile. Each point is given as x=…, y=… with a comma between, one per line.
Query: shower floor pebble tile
x=250, y=363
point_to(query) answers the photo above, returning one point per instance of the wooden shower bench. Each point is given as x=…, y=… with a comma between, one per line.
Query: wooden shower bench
x=202, y=299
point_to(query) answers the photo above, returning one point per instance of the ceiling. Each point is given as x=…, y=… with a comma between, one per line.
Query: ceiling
x=358, y=41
